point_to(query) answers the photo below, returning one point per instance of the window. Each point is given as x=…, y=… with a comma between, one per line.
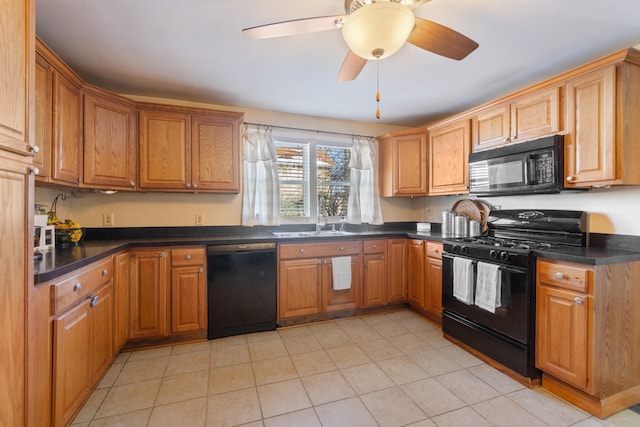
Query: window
x=314, y=178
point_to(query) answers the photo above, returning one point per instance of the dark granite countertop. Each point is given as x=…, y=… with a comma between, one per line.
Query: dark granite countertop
x=56, y=263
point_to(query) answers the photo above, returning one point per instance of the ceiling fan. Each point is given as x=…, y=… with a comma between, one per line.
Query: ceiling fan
x=375, y=29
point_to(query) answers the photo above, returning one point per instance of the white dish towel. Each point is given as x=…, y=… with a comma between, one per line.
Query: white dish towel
x=488, y=286
x=341, y=267
x=463, y=280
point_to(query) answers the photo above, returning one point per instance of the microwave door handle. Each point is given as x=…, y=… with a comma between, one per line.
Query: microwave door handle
x=529, y=169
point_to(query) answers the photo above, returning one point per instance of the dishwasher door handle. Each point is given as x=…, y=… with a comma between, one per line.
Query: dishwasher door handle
x=239, y=248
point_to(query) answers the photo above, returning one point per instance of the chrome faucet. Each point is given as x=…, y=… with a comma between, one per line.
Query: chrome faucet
x=319, y=225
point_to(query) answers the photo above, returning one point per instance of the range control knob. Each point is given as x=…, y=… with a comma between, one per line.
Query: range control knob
x=493, y=254
x=504, y=256
x=464, y=249
x=456, y=248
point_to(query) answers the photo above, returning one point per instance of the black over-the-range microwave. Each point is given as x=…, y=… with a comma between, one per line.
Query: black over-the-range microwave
x=533, y=167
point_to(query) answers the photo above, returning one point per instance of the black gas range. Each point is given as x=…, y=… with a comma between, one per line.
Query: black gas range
x=504, y=333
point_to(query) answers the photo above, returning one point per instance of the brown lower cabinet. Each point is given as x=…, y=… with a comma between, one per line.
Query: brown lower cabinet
x=587, y=328
x=424, y=268
x=168, y=291
x=374, y=290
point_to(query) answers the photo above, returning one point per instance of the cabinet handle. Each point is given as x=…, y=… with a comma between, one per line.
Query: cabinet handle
x=325, y=262
x=382, y=257
x=188, y=257
x=79, y=179
x=375, y=246
x=94, y=300
x=35, y=148
x=195, y=185
x=578, y=300
x=77, y=287
x=319, y=261
x=341, y=248
x=132, y=184
x=559, y=275
x=161, y=255
x=105, y=272
x=188, y=185
x=201, y=270
x=571, y=178
x=301, y=251
x=35, y=170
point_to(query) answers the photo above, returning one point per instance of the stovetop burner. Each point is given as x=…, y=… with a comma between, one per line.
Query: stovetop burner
x=506, y=243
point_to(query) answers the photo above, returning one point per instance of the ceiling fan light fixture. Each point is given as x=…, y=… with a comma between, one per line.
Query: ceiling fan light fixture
x=375, y=26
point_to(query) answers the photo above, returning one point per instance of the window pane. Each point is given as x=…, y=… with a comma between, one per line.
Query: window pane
x=333, y=180
x=294, y=177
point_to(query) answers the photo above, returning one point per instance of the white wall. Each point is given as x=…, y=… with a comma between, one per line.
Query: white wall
x=611, y=211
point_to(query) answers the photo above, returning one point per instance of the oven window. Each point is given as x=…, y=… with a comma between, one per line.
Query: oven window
x=504, y=174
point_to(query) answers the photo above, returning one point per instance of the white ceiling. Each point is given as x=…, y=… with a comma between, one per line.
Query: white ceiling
x=195, y=50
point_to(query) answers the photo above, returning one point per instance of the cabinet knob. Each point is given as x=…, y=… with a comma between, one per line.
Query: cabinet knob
x=195, y=185
x=188, y=185
x=559, y=275
x=94, y=300
x=341, y=248
x=77, y=287
x=35, y=148
x=35, y=170
x=301, y=251
x=382, y=257
x=132, y=184
x=319, y=261
x=325, y=262
x=375, y=246
x=79, y=179
x=161, y=255
x=578, y=300
x=187, y=257
x=201, y=270
x=105, y=272
x=571, y=178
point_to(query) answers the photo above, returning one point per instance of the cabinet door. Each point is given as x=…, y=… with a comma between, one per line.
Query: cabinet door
x=71, y=363
x=299, y=287
x=101, y=320
x=215, y=155
x=433, y=279
x=333, y=300
x=67, y=131
x=188, y=299
x=109, y=143
x=410, y=163
x=590, y=142
x=43, y=115
x=415, y=268
x=397, y=270
x=148, y=298
x=449, y=158
x=536, y=115
x=121, y=277
x=491, y=127
x=16, y=67
x=16, y=281
x=375, y=280
x=165, y=150
x=562, y=327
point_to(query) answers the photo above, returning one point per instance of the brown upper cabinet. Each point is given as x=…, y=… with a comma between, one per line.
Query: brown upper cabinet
x=189, y=149
x=449, y=147
x=58, y=118
x=403, y=163
x=522, y=119
x=109, y=141
x=603, y=107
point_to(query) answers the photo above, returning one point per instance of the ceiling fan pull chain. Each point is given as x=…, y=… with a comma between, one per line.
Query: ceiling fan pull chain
x=378, y=53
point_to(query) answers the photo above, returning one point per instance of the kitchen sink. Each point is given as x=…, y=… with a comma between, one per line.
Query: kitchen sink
x=322, y=233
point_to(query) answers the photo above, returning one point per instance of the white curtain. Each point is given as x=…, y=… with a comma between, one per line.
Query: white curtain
x=364, y=196
x=261, y=193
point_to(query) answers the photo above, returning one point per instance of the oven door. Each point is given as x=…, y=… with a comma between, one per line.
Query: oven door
x=512, y=318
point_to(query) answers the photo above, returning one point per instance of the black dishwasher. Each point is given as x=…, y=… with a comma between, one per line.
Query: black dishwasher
x=241, y=287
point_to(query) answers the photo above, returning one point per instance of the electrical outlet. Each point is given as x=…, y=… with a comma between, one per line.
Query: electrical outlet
x=427, y=212
x=107, y=220
x=199, y=219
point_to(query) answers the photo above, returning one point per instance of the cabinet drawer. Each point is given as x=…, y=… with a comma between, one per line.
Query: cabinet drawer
x=563, y=275
x=71, y=290
x=188, y=256
x=434, y=250
x=311, y=250
x=374, y=246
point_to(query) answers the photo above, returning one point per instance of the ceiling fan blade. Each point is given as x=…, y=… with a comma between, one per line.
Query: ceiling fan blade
x=351, y=67
x=296, y=26
x=442, y=40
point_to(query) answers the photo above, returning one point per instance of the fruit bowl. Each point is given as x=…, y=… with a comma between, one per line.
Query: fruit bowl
x=68, y=237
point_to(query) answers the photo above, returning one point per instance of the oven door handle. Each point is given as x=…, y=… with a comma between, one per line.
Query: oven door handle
x=506, y=268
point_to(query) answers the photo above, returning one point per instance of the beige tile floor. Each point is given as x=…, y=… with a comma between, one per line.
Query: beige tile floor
x=391, y=369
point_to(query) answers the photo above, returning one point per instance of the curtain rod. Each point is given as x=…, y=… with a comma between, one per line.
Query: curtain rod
x=308, y=130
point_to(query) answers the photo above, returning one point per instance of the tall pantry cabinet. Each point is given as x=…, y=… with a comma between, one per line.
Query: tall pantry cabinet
x=17, y=50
